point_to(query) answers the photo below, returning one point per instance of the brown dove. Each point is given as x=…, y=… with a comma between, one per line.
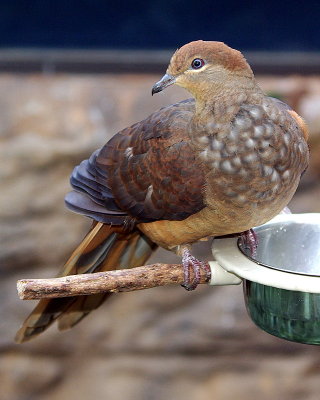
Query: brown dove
x=220, y=163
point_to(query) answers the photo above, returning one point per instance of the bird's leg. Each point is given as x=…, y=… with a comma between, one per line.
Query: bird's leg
x=250, y=240
x=188, y=260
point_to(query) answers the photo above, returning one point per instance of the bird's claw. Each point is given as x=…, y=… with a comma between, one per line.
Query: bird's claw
x=189, y=260
x=250, y=240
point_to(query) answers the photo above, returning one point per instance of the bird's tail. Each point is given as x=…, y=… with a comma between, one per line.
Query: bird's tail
x=104, y=248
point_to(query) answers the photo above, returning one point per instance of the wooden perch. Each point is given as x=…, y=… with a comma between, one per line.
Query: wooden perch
x=122, y=280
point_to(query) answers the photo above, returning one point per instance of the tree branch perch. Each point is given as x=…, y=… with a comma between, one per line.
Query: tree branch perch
x=122, y=280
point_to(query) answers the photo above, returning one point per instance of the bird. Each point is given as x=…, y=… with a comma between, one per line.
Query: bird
x=221, y=162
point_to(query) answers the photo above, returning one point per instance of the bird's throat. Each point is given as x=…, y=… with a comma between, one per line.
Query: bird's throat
x=221, y=100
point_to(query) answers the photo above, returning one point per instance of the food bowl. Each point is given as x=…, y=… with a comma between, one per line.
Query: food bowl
x=282, y=280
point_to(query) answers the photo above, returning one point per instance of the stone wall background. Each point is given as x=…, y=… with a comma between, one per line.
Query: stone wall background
x=157, y=344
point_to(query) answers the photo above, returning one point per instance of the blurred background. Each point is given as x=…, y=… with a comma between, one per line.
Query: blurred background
x=71, y=75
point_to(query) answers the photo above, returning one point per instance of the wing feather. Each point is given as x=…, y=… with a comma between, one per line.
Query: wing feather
x=147, y=172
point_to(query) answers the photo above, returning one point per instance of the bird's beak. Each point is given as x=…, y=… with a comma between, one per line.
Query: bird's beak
x=165, y=81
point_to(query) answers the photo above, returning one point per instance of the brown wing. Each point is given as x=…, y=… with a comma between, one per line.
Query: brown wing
x=147, y=171
x=151, y=169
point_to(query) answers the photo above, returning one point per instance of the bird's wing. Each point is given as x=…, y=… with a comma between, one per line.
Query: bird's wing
x=147, y=172
x=301, y=125
x=91, y=195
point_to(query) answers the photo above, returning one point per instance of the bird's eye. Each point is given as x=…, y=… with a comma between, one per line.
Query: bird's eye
x=197, y=63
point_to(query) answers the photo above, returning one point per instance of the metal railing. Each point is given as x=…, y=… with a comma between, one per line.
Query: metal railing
x=140, y=61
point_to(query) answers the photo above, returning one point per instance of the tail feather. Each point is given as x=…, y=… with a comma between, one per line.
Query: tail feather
x=128, y=252
x=79, y=309
x=104, y=248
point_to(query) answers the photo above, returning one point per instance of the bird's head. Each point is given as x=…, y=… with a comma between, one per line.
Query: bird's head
x=201, y=67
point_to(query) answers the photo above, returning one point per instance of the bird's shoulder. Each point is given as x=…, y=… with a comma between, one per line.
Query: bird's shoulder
x=164, y=123
x=270, y=119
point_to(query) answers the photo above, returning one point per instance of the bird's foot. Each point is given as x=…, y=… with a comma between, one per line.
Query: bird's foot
x=188, y=260
x=250, y=240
